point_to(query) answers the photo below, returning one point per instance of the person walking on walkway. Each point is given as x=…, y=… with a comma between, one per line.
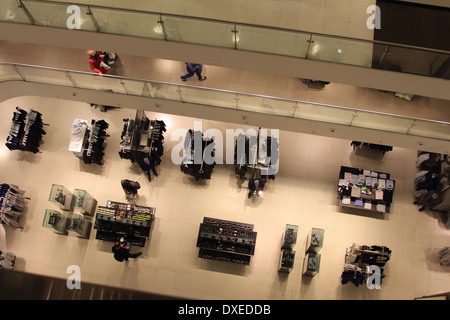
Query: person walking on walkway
x=193, y=68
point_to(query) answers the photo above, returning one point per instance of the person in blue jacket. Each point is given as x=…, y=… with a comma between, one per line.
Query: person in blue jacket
x=193, y=68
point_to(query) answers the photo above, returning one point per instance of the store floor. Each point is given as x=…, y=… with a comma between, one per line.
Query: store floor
x=303, y=193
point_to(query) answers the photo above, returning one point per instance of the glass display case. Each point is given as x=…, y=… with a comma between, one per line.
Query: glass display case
x=55, y=221
x=61, y=197
x=78, y=226
x=286, y=260
x=84, y=202
x=314, y=242
x=290, y=236
x=311, y=264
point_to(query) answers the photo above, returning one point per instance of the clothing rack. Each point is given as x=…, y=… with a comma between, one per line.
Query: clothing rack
x=12, y=203
x=373, y=146
x=87, y=140
x=432, y=189
x=140, y=136
x=26, y=131
x=201, y=170
x=241, y=167
x=358, y=259
x=155, y=150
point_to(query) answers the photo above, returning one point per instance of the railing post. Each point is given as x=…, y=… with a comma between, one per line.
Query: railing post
x=179, y=93
x=94, y=21
x=236, y=98
x=18, y=72
x=74, y=84
x=295, y=106
x=410, y=126
x=386, y=52
x=353, y=118
x=309, y=45
x=30, y=17
x=235, y=36
x=123, y=85
x=161, y=22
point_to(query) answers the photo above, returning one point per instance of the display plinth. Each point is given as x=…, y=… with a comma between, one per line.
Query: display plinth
x=314, y=242
x=55, y=221
x=84, y=202
x=311, y=264
x=61, y=197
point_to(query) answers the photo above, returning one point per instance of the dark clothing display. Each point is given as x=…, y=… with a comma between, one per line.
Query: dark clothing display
x=26, y=131
x=373, y=146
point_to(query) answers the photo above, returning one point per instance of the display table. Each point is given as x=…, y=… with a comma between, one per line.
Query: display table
x=290, y=236
x=118, y=219
x=79, y=226
x=287, y=258
x=314, y=242
x=84, y=202
x=311, y=264
x=61, y=197
x=226, y=240
x=55, y=221
x=365, y=189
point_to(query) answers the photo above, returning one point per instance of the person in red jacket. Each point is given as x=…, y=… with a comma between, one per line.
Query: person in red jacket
x=96, y=60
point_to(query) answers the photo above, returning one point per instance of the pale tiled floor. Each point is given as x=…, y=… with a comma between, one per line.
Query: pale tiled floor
x=303, y=193
x=232, y=79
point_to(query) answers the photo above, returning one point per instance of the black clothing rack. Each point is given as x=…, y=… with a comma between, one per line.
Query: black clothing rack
x=201, y=170
x=373, y=146
x=26, y=131
x=93, y=150
x=143, y=138
x=226, y=241
x=242, y=161
x=432, y=188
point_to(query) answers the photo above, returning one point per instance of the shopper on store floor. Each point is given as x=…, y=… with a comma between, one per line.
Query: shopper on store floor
x=130, y=188
x=121, y=251
x=193, y=68
x=255, y=186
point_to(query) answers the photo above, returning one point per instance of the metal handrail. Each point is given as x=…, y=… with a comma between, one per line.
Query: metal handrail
x=294, y=101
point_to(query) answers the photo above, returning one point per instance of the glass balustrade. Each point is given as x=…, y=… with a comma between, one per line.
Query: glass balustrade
x=228, y=99
x=238, y=36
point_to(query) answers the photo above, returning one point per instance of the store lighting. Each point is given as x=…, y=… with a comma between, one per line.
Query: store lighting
x=158, y=29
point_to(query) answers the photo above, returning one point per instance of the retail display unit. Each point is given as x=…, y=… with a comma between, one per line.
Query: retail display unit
x=314, y=242
x=141, y=133
x=311, y=264
x=61, y=197
x=118, y=219
x=256, y=153
x=432, y=188
x=287, y=255
x=55, y=221
x=78, y=225
x=12, y=203
x=26, y=131
x=199, y=154
x=84, y=202
x=359, y=261
x=365, y=189
x=226, y=241
x=87, y=140
x=378, y=147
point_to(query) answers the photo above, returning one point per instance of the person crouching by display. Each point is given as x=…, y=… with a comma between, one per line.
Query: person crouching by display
x=255, y=186
x=121, y=251
x=130, y=188
x=97, y=62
